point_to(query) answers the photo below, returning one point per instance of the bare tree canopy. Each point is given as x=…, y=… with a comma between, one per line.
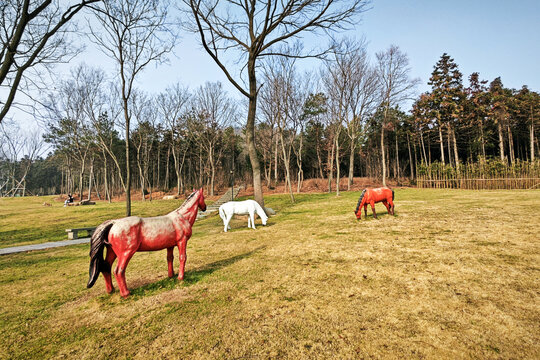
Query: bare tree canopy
x=34, y=34
x=134, y=33
x=256, y=29
x=396, y=86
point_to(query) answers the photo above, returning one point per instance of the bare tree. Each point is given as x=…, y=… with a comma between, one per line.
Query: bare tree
x=21, y=152
x=338, y=83
x=256, y=29
x=144, y=137
x=363, y=95
x=214, y=110
x=172, y=106
x=134, y=33
x=396, y=86
x=68, y=125
x=281, y=104
x=34, y=35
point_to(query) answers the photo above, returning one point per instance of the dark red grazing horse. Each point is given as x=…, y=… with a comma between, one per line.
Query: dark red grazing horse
x=123, y=237
x=372, y=196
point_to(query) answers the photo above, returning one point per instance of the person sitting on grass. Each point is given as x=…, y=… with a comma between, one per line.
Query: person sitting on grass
x=69, y=200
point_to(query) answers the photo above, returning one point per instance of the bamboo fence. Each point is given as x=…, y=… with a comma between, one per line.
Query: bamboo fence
x=484, y=175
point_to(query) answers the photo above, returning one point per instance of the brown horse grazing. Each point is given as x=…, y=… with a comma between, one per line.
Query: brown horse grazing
x=123, y=237
x=372, y=196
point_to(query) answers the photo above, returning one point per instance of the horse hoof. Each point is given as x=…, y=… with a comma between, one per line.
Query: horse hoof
x=125, y=296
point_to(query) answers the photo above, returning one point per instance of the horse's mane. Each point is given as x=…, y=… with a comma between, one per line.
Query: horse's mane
x=259, y=207
x=360, y=200
x=188, y=200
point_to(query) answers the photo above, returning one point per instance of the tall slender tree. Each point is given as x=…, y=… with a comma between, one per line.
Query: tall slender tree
x=447, y=97
x=396, y=85
x=134, y=33
x=258, y=29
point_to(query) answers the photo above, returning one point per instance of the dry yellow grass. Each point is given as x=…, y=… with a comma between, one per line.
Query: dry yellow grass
x=453, y=275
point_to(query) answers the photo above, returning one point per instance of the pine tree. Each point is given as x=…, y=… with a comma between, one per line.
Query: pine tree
x=477, y=108
x=447, y=99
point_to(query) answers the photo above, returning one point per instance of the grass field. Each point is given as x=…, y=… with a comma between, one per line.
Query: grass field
x=455, y=274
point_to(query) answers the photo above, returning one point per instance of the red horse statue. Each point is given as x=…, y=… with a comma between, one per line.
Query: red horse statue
x=372, y=196
x=123, y=237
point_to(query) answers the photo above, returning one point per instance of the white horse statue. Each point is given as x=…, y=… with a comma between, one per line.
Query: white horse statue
x=227, y=210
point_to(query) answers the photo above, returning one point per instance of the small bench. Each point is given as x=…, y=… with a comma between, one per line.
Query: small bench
x=74, y=233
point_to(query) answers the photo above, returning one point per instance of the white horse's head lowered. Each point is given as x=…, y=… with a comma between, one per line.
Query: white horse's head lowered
x=260, y=211
x=246, y=207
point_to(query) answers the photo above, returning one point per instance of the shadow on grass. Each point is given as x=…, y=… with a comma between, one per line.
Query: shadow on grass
x=379, y=215
x=191, y=277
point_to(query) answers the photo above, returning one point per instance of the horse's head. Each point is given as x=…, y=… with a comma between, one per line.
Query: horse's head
x=201, y=203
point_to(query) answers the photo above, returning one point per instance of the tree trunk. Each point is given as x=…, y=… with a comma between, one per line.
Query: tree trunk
x=128, y=167
x=212, y=170
x=331, y=168
x=321, y=173
x=337, y=165
x=105, y=178
x=397, y=157
x=156, y=177
x=351, y=164
x=90, y=180
x=482, y=139
x=276, y=161
x=81, y=178
x=531, y=133
x=510, y=144
x=250, y=133
x=501, y=142
x=423, y=152
x=448, y=136
x=456, y=155
x=383, y=156
x=167, y=162
x=299, y=163
x=441, y=142
x=286, y=160
x=410, y=157
x=96, y=184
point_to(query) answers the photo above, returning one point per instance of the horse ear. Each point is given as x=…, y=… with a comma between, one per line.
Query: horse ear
x=201, y=190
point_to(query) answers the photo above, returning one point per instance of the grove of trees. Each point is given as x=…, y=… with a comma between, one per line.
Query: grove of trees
x=344, y=118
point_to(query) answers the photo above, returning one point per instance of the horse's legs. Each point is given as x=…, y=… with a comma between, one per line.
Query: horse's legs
x=252, y=216
x=120, y=272
x=182, y=257
x=249, y=221
x=391, y=205
x=373, y=208
x=170, y=258
x=365, y=209
x=226, y=223
x=109, y=259
x=387, y=206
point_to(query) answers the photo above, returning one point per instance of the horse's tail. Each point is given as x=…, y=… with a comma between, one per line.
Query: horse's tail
x=392, y=194
x=97, y=243
x=221, y=212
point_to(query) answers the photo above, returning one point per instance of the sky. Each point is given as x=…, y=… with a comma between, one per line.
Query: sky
x=492, y=37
